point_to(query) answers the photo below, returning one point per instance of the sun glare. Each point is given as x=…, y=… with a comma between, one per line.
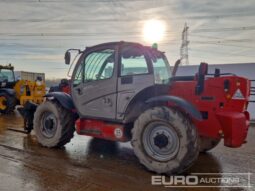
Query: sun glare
x=154, y=31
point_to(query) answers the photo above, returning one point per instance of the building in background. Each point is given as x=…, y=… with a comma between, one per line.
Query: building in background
x=243, y=69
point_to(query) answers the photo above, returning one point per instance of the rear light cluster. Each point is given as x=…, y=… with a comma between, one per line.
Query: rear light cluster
x=227, y=89
x=238, y=90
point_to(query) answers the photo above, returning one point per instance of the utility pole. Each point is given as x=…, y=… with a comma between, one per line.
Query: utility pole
x=184, y=54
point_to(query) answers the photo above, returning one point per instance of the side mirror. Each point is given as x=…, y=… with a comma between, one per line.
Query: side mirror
x=67, y=57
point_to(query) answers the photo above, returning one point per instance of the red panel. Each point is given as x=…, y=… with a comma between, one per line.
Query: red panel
x=220, y=102
x=100, y=129
x=234, y=128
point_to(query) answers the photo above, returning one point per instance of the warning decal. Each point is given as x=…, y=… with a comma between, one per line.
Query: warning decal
x=238, y=95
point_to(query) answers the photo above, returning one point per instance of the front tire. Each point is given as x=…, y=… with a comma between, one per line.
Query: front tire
x=7, y=103
x=165, y=140
x=53, y=124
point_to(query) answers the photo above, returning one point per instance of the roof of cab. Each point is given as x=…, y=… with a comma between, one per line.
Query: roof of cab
x=119, y=43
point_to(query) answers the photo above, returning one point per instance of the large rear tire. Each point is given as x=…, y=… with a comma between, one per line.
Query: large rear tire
x=207, y=144
x=165, y=140
x=54, y=125
x=7, y=103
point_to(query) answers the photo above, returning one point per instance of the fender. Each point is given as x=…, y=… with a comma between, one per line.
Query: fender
x=137, y=105
x=8, y=91
x=63, y=98
x=181, y=103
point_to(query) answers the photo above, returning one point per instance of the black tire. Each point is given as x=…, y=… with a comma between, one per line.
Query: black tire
x=182, y=156
x=10, y=104
x=206, y=144
x=54, y=125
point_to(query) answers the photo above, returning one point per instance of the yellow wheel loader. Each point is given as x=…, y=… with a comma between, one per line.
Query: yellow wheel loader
x=30, y=87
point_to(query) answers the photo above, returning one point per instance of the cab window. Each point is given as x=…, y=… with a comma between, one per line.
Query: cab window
x=133, y=61
x=98, y=65
x=78, y=76
x=6, y=75
x=161, y=67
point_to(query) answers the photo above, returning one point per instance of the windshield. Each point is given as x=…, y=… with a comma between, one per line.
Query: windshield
x=6, y=75
x=162, y=71
x=97, y=65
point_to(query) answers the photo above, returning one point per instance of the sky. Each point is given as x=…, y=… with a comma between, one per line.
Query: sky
x=34, y=34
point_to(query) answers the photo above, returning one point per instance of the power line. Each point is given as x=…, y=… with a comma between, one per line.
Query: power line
x=34, y=34
x=220, y=44
x=119, y=19
x=223, y=53
x=38, y=20
x=223, y=39
x=67, y=1
x=244, y=28
x=53, y=34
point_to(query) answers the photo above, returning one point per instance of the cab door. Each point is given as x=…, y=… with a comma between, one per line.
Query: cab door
x=94, y=83
x=135, y=74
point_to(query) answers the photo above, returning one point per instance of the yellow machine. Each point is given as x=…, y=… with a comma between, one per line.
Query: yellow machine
x=30, y=87
x=30, y=91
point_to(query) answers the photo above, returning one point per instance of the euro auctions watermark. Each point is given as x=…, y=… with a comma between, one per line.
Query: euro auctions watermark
x=231, y=180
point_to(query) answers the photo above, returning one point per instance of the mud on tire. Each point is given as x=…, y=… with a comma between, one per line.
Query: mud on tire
x=181, y=142
x=54, y=125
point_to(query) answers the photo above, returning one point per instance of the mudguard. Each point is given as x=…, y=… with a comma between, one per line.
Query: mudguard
x=63, y=98
x=8, y=91
x=29, y=109
x=179, y=102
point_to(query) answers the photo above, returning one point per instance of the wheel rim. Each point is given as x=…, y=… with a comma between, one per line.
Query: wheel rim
x=160, y=141
x=3, y=102
x=49, y=125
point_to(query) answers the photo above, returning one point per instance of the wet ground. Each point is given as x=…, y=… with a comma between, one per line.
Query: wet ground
x=94, y=165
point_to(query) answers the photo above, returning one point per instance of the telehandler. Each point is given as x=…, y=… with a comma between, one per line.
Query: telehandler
x=123, y=91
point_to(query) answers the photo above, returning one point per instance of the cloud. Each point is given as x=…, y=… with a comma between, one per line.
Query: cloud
x=36, y=33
